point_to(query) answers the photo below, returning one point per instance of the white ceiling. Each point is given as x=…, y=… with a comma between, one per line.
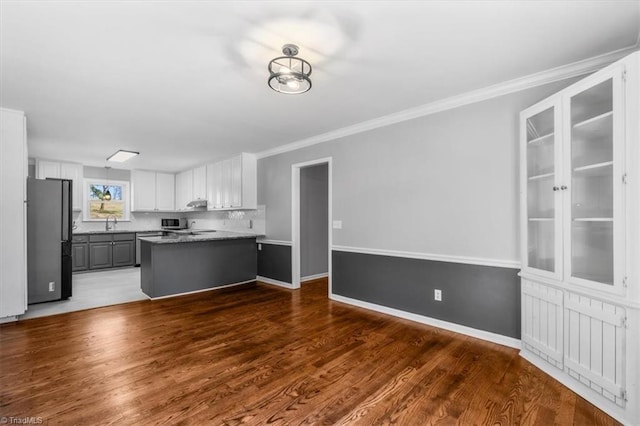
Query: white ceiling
x=185, y=83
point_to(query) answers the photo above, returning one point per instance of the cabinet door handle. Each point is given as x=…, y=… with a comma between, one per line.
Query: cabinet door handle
x=563, y=187
x=555, y=188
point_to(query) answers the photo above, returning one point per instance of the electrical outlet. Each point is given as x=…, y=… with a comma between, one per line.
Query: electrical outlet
x=259, y=247
x=52, y=286
x=337, y=224
x=437, y=295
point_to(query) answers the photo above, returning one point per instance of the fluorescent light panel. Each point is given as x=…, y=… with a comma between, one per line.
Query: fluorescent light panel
x=121, y=156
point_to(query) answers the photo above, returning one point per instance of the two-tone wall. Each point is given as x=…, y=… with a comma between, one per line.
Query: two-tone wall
x=429, y=203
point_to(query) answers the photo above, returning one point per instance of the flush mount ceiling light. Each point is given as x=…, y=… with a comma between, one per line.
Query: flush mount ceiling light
x=288, y=74
x=121, y=156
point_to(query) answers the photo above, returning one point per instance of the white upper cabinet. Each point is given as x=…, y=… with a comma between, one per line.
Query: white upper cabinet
x=152, y=191
x=165, y=191
x=184, y=189
x=573, y=184
x=231, y=184
x=61, y=170
x=214, y=186
x=47, y=169
x=143, y=190
x=199, y=183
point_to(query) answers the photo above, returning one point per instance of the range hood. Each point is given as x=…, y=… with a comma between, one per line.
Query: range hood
x=197, y=203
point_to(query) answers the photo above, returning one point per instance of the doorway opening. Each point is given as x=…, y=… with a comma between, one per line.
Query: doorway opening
x=311, y=214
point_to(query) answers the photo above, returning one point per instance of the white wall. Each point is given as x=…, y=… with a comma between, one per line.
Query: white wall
x=441, y=184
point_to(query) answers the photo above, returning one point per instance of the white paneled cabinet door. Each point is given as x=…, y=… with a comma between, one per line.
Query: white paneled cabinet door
x=594, y=156
x=200, y=183
x=184, y=189
x=226, y=183
x=595, y=338
x=541, y=207
x=75, y=173
x=165, y=191
x=143, y=190
x=47, y=169
x=235, y=190
x=214, y=186
x=542, y=318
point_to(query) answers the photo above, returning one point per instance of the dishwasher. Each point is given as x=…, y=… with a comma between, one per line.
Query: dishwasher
x=144, y=234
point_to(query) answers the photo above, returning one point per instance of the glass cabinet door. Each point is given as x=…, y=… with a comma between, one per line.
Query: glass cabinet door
x=542, y=237
x=594, y=192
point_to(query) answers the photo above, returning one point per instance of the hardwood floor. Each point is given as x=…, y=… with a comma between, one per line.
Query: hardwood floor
x=262, y=355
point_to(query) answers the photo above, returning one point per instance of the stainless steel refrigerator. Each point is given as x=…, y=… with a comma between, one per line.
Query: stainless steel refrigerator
x=49, y=228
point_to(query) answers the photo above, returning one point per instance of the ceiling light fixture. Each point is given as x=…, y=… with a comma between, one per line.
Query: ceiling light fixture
x=288, y=74
x=121, y=156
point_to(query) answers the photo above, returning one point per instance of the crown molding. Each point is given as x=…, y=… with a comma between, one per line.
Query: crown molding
x=552, y=75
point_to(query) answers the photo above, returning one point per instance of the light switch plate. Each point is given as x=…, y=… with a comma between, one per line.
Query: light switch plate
x=337, y=224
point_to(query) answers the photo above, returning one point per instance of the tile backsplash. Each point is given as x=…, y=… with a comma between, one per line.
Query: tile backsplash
x=233, y=220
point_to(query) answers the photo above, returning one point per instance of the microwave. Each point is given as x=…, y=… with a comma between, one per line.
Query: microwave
x=170, y=223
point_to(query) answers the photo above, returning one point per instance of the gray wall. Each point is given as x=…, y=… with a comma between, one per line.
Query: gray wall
x=445, y=184
x=483, y=297
x=314, y=220
x=274, y=261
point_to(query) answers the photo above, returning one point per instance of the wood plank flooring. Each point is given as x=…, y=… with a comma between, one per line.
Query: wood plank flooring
x=262, y=355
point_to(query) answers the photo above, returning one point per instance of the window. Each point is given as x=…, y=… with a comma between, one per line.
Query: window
x=105, y=199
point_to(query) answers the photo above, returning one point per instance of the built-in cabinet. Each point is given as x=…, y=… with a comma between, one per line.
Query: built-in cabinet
x=13, y=193
x=199, y=183
x=231, y=184
x=152, y=191
x=111, y=250
x=61, y=170
x=80, y=253
x=184, y=189
x=580, y=157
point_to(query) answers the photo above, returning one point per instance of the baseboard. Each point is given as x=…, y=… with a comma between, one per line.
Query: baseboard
x=608, y=407
x=271, y=281
x=314, y=277
x=8, y=319
x=201, y=291
x=462, y=329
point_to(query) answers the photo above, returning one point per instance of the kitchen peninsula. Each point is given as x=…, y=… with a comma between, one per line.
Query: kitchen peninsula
x=176, y=264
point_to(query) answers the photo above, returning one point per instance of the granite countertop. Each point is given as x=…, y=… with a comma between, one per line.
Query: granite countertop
x=116, y=231
x=200, y=235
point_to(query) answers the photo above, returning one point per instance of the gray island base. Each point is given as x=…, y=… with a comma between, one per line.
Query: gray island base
x=175, y=265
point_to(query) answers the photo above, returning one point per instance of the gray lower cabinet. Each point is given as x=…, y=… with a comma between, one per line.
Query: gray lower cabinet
x=80, y=253
x=100, y=255
x=111, y=250
x=124, y=253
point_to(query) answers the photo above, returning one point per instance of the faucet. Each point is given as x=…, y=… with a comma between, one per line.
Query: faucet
x=190, y=224
x=106, y=223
